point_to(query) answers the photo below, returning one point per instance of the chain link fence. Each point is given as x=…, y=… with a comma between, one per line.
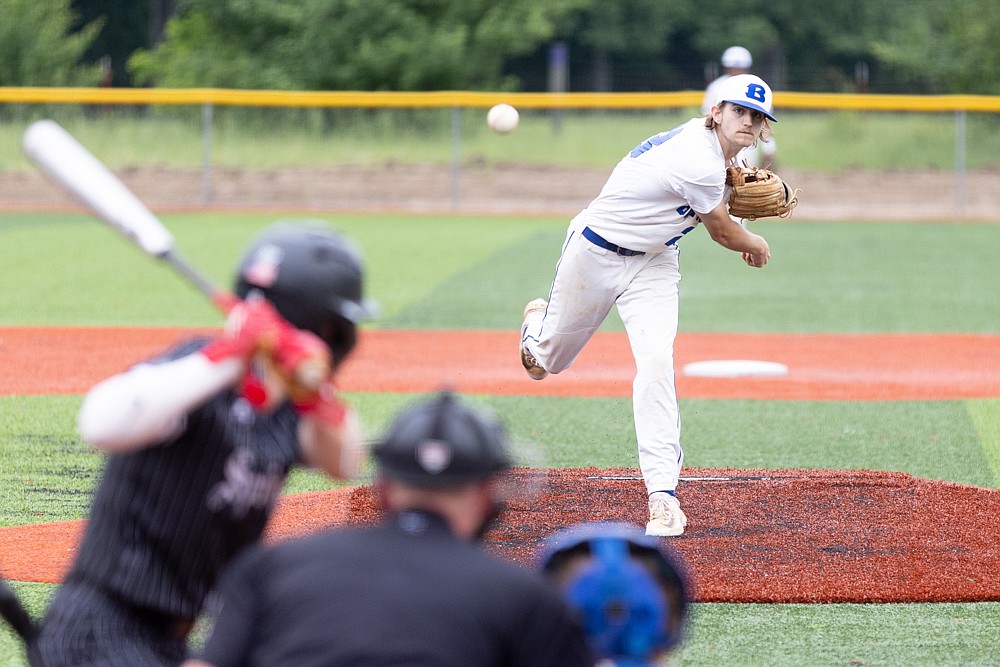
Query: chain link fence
x=854, y=156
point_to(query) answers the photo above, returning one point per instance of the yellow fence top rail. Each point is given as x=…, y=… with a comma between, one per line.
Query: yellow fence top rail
x=450, y=98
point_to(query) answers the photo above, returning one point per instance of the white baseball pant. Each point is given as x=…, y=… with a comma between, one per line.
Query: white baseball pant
x=588, y=281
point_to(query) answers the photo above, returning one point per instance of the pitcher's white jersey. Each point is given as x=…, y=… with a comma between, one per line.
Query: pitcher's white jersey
x=651, y=198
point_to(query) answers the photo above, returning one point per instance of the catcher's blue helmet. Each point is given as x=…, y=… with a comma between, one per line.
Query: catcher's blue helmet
x=629, y=591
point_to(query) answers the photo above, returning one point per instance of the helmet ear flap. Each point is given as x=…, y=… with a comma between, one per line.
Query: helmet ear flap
x=341, y=335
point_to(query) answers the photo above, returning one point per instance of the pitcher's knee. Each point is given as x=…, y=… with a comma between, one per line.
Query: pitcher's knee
x=655, y=367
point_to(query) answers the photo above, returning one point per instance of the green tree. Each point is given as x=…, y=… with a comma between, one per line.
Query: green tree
x=347, y=44
x=125, y=27
x=916, y=46
x=38, y=46
x=623, y=33
x=677, y=44
x=946, y=46
x=813, y=48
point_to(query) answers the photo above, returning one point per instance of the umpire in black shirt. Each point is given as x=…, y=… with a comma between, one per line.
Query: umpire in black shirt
x=416, y=589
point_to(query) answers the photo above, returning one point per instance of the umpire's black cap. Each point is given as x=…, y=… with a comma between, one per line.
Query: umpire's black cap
x=442, y=442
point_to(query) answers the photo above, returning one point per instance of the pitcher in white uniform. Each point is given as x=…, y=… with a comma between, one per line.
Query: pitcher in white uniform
x=622, y=250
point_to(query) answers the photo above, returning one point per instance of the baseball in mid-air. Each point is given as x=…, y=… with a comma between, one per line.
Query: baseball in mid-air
x=503, y=118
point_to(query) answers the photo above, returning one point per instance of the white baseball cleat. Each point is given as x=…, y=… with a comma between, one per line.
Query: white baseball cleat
x=665, y=516
x=533, y=314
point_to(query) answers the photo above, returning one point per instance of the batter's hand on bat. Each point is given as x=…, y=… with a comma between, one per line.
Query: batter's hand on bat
x=303, y=361
x=252, y=326
x=280, y=359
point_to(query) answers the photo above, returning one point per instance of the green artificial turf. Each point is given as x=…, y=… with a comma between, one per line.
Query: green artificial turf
x=47, y=473
x=445, y=272
x=815, y=635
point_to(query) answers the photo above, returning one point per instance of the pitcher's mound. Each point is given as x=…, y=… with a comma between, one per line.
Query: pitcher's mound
x=782, y=535
x=752, y=535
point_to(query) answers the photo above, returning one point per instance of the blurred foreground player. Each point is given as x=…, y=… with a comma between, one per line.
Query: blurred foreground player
x=199, y=442
x=629, y=590
x=416, y=589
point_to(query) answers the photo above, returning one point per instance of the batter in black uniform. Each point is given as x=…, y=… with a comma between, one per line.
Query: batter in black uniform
x=415, y=590
x=200, y=441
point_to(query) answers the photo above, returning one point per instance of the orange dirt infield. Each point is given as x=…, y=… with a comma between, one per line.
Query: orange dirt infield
x=754, y=535
x=821, y=367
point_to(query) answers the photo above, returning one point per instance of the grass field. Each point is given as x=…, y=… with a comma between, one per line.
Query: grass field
x=835, y=277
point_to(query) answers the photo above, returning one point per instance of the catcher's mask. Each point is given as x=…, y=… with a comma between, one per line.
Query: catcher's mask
x=747, y=91
x=628, y=591
x=313, y=276
x=441, y=443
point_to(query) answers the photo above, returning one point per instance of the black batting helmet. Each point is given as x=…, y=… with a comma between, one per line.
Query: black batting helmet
x=313, y=276
x=441, y=442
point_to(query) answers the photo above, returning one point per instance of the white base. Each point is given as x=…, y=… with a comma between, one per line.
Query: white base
x=733, y=368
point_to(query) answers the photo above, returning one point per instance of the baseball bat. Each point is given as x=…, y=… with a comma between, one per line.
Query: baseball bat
x=66, y=161
x=12, y=611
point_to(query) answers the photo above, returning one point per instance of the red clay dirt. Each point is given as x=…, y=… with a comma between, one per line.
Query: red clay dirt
x=821, y=367
x=754, y=535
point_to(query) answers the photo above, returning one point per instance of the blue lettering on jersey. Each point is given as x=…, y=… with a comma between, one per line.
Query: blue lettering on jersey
x=677, y=238
x=654, y=140
x=687, y=212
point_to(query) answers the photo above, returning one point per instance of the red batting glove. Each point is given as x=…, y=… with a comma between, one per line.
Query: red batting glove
x=252, y=325
x=225, y=301
x=323, y=405
x=303, y=360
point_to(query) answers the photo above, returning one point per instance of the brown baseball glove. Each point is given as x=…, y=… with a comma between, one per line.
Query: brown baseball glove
x=759, y=193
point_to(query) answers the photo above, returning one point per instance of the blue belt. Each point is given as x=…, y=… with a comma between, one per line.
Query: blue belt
x=598, y=240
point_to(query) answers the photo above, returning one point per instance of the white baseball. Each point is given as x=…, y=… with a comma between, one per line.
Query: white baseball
x=503, y=118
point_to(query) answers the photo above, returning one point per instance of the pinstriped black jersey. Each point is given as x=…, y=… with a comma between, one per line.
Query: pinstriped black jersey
x=165, y=520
